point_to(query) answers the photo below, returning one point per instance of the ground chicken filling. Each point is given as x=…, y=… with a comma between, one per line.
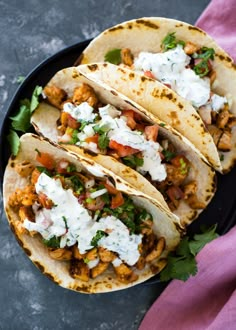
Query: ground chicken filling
x=180, y=66
x=85, y=221
x=126, y=136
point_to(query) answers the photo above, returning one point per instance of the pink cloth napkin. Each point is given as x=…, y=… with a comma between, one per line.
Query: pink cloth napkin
x=219, y=20
x=206, y=301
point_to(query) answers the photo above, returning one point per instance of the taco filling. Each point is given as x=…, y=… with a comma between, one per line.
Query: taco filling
x=85, y=220
x=126, y=136
x=187, y=69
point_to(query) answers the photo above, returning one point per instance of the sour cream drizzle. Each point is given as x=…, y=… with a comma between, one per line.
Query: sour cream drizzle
x=171, y=68
x=118, y=131
x=72, y=222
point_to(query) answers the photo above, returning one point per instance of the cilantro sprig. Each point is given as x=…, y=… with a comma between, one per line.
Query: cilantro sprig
x=113, y=56
x=20, y=122
x=181, y=264
x=170, y=42
x=205, y=54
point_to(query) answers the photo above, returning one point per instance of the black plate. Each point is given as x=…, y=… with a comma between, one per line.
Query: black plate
x=221, y=210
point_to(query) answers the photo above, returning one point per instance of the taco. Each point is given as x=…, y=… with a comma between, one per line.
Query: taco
x=183, y=59
x=93, y=119
x=83, y=226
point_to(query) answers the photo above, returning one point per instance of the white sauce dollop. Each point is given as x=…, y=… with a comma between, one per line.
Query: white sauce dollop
x=170, y=68
x=81, y=112
x=72, y=222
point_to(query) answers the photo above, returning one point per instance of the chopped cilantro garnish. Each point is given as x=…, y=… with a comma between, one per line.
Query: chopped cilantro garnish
x=222, y=157
x=113, y=56
x=74, y=138
x=181, y=264
x=132, y=161
x=71, y=168
x=97, y=237
x=42, y=169
x=205, y=54
x=168, y=154
x=53, y=242
x=183, y=166
x=170, y=42
x=103, y=141
x=86, y=260
x=162, y=124
x=76, y=183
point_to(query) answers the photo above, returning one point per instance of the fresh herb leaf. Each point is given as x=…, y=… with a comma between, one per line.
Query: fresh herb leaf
x=201, y=69
x=21, y=121
x=183, y=166
x=76, y=183
x=20, y=79
x=170, y=42
x=168, y=154
x=181, y=264
x=53, y=242
x=42, y=169
x=113, y=56
x=103, y=141
x=130, y=224
x=14, y=142
x=200, y=240
x=86, y=260
x=133, y=161
x=206, y=54
x=74, y=138
x=71, y=168
x=222, y=157
x=162, y=124
x=101, y=129
x=35, y=98
x=97, y=237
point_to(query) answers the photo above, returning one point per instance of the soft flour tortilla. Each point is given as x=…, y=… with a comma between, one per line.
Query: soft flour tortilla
x=165, y=224
x=146, y=34
x=45, y=119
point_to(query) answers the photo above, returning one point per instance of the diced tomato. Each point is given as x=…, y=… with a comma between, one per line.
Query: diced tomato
x=81, y=198
x=122, y=150
x=149, y=74
x=175, y=193
x=168, y=85
x=112, y=190
x=72, y=122
x=151, y=132
x=140, y=127
x=117, y=200
x=176, y=161
x=129, y=114
x=45, y=201
x=46, y=160
x=62, y=166
x=93, y=138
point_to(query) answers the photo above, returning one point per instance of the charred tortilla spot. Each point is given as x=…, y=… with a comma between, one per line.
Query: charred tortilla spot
x=178, y=25
x=114, y=93
x=130, y=103
x=131, y=75
x=108, y=285
x=93, y=67
x=180, y=105
x=130, y=26
x=196, y=117
x=12, y=164
x=83, y=288
x=147, y=23
x=75, y=74
x=194, y=28
x=121, y=70
x=144, y=78
x=27, y=251
x=90, y=152
x=115, y=28
x=39, y=266
x=155, y=92
x=224, y=58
